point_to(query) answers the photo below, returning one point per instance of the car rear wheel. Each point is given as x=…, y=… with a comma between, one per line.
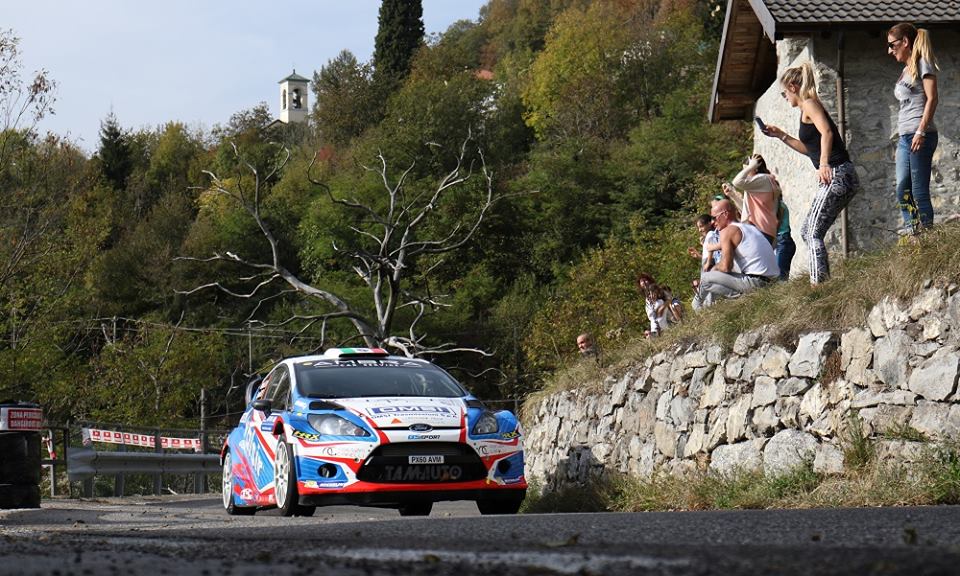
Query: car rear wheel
x=228, y=502
x=416, y=509
x=502, y=505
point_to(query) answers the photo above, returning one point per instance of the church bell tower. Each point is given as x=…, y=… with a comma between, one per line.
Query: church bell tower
x=293, y=98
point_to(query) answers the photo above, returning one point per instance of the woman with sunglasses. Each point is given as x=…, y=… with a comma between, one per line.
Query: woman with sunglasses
x=820, y=140
x=916, y=90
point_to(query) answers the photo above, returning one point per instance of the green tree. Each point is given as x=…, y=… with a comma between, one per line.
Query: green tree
x=343, y=89
x=114, y=152
x=399, y=36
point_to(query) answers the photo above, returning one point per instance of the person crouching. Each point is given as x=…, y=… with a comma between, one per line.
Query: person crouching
x=743, y=245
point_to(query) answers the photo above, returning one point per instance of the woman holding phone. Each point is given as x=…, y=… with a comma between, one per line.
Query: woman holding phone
x=916, y=90
x=819, y=139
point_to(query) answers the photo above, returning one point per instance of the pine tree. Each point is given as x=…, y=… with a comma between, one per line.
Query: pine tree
x=399, y=36
x=114, y=152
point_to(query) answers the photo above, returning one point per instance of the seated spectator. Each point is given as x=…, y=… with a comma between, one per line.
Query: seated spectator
x=743, y=245
x=587, y=347
x=761, y=196
x=708, y=237
x=657, y=311
x=674, y=306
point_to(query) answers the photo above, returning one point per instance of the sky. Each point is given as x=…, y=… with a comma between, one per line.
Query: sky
x=193, y=61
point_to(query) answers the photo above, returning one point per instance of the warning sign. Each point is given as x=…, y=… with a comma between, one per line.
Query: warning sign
x=21, y=419
x=144, y=440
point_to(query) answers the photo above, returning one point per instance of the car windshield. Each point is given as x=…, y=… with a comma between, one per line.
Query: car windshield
x=369, y=378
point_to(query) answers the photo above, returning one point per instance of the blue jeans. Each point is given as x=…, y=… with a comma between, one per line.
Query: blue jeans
x=913, y=181
x=786, y=248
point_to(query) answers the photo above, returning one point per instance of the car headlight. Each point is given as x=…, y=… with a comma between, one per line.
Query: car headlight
x=332, y=425
x=486, y=424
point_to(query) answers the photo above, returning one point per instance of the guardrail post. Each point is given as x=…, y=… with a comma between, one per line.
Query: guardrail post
x=120, y=480
x=158, y=477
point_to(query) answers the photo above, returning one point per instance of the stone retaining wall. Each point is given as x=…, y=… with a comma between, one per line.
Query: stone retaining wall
x=761, y=405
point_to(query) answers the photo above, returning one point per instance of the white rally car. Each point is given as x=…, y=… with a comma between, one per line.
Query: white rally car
x=358, y=426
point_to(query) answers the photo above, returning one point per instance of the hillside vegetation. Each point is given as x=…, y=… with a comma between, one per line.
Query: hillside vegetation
x=123, y=291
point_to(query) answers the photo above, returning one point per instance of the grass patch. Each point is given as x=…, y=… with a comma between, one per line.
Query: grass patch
x=858, y=448
x=904, y=431
x=935, y=479
x=788, y=309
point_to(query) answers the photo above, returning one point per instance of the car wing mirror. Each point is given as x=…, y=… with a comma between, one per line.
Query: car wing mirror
x=263, y=405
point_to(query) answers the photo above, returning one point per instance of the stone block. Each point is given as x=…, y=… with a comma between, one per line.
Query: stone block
x=936, y=377
x=885, y=316
x=930, y=418
x=696, y=439
x=695, y=359
x=930, y=300
x=666, y=438
x=811, y=353
x=899, y=452
x=765, y=420
x=714, y=354
x=663, y=404
x=787, y=450
x=856, y=354
x=716, y=430
x=764, y=391
x=738, y=417
x=728, y=459
x=775, y=362
x=933, y=328
x=793, y=386
x=733, y=368
x=828, y=459
x=714, y=394
x=890, y=358
x=813, y=403
x=746, y=342
x=700, y=378
x=788, y=410
x=682, y=409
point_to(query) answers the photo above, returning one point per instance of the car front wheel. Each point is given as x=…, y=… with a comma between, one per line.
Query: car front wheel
x=502, y=505
x=416, y=509
x=228, y=501
x=285, y=480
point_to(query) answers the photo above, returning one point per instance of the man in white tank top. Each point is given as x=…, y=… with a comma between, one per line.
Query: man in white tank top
x=741, y=244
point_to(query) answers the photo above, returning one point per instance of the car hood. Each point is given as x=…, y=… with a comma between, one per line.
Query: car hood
x=405, y=412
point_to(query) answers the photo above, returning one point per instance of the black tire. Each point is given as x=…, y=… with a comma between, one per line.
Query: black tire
x=416, y=509
x=21, y=458
x=305, y=511
x=501, y=505
x=228, y=501
x=19, y=496
x=285, y=480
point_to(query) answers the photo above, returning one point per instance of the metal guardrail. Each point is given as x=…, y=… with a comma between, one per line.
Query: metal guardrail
x=84, y=463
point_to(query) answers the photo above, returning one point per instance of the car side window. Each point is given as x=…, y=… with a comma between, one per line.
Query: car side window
x=280, y=390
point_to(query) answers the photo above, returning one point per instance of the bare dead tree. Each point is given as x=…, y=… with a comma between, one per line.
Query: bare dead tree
x=382, y=254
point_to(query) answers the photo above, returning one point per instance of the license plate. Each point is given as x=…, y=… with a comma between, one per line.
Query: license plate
x=425, y=460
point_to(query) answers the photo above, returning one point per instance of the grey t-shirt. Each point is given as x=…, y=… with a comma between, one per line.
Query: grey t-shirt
x=912, y=100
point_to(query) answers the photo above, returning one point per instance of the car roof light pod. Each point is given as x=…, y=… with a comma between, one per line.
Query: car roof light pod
x=355, y=353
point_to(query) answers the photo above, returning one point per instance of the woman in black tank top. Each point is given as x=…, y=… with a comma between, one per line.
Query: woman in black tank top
x=819, y=139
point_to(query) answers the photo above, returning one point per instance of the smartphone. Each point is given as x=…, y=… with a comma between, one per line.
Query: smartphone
x=760, y=124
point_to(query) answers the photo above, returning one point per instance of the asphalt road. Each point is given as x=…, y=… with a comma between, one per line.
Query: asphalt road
x=195, y=537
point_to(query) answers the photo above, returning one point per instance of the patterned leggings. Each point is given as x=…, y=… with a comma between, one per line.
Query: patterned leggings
x=830, y=200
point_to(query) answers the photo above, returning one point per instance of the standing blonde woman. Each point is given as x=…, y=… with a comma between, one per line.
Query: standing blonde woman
x=820, y=140
x=916, y=89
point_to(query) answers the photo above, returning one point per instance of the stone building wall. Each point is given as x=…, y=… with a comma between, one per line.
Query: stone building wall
x=871, y=120
x=761, y=405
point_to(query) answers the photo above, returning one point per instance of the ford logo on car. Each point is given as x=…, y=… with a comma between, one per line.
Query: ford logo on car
x=421, y=427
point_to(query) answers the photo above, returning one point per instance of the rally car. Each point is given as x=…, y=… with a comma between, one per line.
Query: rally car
x=359, y=426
